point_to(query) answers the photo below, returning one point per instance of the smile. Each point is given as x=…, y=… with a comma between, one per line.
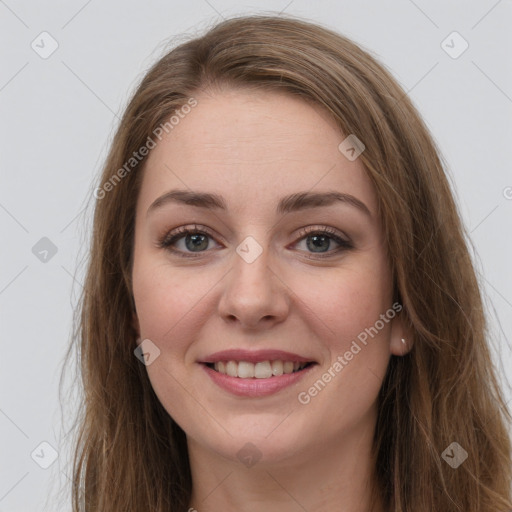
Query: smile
x=256, y=373
x=259, y=370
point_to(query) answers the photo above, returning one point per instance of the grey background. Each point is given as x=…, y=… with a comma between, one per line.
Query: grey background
x=57, y=117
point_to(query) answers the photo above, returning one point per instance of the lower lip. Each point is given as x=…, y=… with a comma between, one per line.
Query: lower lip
x=255, y=387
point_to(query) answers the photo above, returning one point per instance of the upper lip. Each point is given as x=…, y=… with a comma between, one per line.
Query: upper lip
x=255, y=356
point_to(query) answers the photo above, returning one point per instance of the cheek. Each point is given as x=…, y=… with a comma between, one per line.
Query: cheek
x=345, y=302
x=162, y=298
x=165, y=306
x=350, y=309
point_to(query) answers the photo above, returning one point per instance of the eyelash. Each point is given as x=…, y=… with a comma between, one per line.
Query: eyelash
x=171, y=238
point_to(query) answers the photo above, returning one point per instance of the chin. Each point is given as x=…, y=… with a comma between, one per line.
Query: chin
x=265, y=441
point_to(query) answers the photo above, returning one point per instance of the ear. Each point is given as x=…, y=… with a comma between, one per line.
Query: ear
x=402, y=338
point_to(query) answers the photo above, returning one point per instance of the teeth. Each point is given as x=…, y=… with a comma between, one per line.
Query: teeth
x=260, y=370
x=287, y=367
x=245, y=370
x=232, y=369
x=277, y=368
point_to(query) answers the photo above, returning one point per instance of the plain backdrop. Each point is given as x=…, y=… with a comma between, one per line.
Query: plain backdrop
x=58, y=112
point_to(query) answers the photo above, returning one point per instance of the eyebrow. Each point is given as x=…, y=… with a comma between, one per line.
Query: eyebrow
x=291, y=203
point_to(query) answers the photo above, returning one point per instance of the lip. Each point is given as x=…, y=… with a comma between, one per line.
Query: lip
x=255, y=356
x=254, y=388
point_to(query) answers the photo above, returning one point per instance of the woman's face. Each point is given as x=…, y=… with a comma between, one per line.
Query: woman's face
x=257, y=277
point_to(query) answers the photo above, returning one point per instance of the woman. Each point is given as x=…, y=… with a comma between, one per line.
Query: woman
x=280, y=311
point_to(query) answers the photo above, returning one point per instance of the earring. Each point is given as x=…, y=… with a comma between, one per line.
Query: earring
x=403, y=341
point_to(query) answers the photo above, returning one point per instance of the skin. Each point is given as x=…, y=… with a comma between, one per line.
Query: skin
x=315, y=456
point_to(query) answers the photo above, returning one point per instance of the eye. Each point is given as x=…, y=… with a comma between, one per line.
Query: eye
x=321, y=238
x=196, y=240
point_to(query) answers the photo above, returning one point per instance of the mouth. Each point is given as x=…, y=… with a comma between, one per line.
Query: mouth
x=256, y=374
x=259, y=370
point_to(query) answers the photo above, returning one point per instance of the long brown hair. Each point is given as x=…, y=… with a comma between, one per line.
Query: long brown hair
x=129, y=453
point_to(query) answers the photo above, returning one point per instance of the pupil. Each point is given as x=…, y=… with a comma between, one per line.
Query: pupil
x=196, y=241
x=315, y=239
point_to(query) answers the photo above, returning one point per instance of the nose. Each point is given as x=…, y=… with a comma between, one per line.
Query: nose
x=254, y=295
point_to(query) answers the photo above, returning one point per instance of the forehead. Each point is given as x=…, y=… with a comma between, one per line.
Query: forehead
x=253, y=146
